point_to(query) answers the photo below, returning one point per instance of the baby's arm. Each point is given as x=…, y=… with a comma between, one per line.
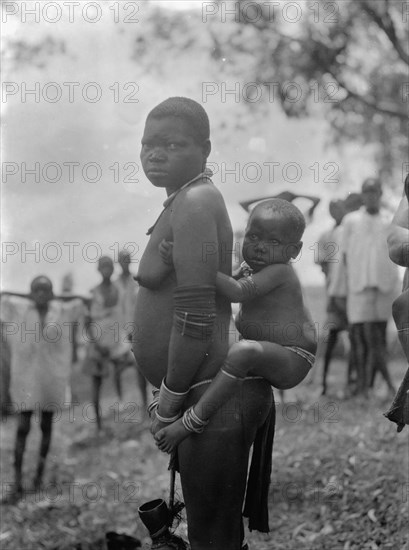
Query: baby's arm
x=257, y=284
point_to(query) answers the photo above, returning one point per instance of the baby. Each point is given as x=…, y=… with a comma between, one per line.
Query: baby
x=279, y=339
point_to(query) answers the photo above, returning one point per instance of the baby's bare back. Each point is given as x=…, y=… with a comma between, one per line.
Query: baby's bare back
x=279, y=316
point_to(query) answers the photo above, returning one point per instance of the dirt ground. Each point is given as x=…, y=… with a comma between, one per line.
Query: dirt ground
x=340, y=473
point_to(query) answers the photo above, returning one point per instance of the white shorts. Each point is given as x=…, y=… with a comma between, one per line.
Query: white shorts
x=370, y=305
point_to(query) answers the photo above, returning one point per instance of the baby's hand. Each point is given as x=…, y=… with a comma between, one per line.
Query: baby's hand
x=166, y=251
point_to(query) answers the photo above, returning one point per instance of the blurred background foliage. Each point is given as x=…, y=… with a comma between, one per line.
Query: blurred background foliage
x=350, y=58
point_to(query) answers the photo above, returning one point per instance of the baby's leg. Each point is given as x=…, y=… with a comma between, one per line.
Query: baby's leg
x=223, y=386
x=400, y=311
x=279, y=366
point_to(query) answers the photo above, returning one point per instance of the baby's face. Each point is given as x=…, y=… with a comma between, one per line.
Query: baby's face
x=170, y=156
x=267, y=241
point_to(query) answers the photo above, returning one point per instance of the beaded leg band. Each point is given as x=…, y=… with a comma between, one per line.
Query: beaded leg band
x=192, y=422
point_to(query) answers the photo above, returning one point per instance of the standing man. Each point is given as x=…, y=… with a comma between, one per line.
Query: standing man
x=372, y=283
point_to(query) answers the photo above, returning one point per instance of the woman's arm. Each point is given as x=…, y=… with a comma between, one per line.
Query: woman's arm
x=194, y=225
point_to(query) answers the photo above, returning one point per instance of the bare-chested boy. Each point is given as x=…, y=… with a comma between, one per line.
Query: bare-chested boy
x=108, y=340
x=279, y=337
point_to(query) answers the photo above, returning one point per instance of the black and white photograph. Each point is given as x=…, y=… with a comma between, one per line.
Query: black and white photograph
x=204, y=293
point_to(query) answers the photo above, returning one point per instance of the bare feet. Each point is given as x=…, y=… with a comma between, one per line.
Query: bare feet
x=167, y=439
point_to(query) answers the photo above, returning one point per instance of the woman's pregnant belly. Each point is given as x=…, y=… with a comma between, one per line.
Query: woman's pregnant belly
x=152, y=327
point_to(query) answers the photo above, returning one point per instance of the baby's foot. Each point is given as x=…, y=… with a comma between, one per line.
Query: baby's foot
x=167, y=439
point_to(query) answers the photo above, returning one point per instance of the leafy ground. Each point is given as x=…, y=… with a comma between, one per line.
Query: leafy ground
x=340, y=474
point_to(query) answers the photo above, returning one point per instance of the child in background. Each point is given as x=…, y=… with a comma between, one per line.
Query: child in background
x=109, y=344
x=328, y=258
x=279, y=339
x=129, y=290
x=39, y=331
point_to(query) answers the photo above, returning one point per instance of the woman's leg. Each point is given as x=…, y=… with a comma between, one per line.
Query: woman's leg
x=213, y=467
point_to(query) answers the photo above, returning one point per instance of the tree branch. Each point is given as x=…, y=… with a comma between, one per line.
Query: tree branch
x=370, y=104
x=387, y=25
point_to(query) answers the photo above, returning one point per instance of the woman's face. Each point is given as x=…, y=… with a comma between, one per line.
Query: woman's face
x=170, y=155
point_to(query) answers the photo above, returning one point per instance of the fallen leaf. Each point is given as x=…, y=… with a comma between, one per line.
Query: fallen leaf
x=298, y=529
x=327, y=529
x=131, y=444
x=371, y=516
